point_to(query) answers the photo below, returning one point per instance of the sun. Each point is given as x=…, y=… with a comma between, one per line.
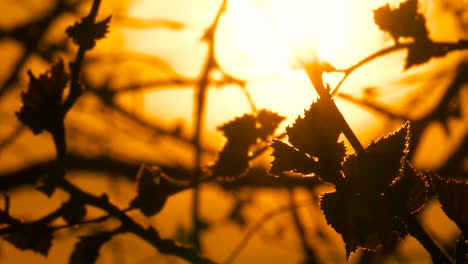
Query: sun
x=262, y=37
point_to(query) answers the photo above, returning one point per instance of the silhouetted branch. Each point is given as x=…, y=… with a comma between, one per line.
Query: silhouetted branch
x=199, y=115
x=310, y=255
x=10, y=138
x=446, y=46
x=254, y=229
x=30, y=35
x=144, y=23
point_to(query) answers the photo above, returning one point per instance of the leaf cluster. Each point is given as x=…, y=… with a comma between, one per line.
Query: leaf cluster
x=241, y=134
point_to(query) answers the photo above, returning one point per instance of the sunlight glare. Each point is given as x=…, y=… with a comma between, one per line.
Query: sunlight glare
x=312, y=23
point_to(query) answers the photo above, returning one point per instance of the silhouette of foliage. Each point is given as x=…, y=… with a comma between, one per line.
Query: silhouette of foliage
x=453, y=195
x=153, y=190
x=379, y=189
x=42, y=102
x=85, y=33
x=312, y=137
x=73, y=211
x=403, y=21
x=377, y=192
x=87, y=248
x=35, y=236
x=241, y=134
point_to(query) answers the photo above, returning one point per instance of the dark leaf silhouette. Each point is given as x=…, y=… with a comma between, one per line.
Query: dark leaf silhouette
x=316, y=134
x=408, y=193
x=267, y=123
x=33, y=236
x=379, y=166
x=403, y=21
x=422, y=51
x=380, y=187
x=154, y=188
x=241, y=134
x=453, y=195
x=73, y=211
x=41, y=103
x=233, y=159
x=87, y=249
x=85, y=33
x=362, y=222
x=287, y=158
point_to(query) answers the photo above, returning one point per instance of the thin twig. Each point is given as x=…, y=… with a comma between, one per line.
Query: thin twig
x=199, y=104
x=446, y=46
x=253, y=230
x=11, y=137
x=310, y=255
x=75, y=86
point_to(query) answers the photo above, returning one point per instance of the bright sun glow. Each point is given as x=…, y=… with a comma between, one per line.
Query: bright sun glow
x=275, y=33
x=309, y=23
x=261, y=41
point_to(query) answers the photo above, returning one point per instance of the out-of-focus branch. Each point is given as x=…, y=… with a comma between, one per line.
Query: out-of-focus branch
x=445, y=46
x=199, y=115
x=30, y=36
x=310, y=255
x=10, y=138
x=259, y=224
x=114, y=167
x=145, y=23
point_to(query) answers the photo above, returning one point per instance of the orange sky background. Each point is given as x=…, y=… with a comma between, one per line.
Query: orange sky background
x=264, y=42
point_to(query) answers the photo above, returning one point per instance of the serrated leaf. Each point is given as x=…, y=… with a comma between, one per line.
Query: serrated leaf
x=409, y=192
x=453, y=195
x=287, y=158
x=363, y=223
x=403, y=21
x=241, y=133
x=242, y=130
x=317, y=132
x=373, y=171
x=233, y=159
x=421, y=52
x=153, y=190
x=267, y=123
x=35, y=237
x=73, y=211
x=85, y=33
x=87, y=249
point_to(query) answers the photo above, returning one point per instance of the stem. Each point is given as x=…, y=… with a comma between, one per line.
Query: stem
x=310, y=255
x=315, y=75
x=200, y=98
x=418, y=232
x=446, y=46
x=75, y=87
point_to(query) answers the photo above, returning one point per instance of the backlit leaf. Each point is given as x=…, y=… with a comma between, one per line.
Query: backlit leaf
x=287, y=158
x=85, y=33
x=373, y=171
x=35, y=237
x=453, y=195
x=241, y=133
x=403, y=21
x=87, y=249
x=362, y=222
x=153, y=190
x=41, y=102
x=380, y=188
x=233, y=159
x=421, y=52
x=409, y=192
x=267, y=123
x=73, y=211
x=317, y=132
